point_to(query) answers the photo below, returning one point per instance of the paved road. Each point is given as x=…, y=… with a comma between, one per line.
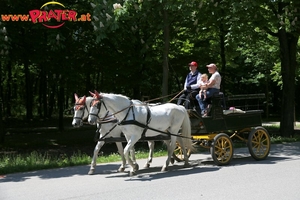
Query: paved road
x=277, y=177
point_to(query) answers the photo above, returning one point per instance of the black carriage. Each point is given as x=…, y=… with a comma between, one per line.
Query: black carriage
x=216, y=131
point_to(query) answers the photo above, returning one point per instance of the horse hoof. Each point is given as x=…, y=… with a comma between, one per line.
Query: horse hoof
x=136, y=167
x=172, y=161
x=132, y=173
x=187, y=165
x=121, y=169
x=164, y=169
x=147, y=166
x=91, y=172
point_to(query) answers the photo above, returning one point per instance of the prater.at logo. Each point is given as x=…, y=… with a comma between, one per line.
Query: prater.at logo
x=51, y=15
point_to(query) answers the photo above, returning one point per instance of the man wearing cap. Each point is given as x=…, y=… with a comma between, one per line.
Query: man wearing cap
x=191, y=87
x=212, y=87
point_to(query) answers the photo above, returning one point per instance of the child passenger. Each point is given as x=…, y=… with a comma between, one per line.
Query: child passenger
x=203, y=82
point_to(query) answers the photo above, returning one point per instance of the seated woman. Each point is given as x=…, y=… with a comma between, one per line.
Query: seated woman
x=212, y=87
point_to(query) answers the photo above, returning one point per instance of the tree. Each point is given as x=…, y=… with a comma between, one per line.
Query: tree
x=278, y=18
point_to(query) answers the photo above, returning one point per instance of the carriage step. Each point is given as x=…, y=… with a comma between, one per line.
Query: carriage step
x=143, y=139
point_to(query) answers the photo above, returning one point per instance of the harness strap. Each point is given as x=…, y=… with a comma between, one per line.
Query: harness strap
x=133, y=122
x=148, y=121
x=98, y=133
x=145, y=126
x=113, y=120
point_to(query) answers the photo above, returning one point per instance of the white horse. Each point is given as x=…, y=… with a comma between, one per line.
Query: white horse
x=139, y=120
x=81, y=111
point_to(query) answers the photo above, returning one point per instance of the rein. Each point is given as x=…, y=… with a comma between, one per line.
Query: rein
x=165, y=97
x=176, y=95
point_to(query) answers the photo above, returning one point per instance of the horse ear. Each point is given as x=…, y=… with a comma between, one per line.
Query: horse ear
x=92, y=94
x=97, y=94
x=84, y=98
x=76, y=96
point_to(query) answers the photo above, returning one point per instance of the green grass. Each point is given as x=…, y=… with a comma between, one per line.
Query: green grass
x=32, y=150
x=38, y=161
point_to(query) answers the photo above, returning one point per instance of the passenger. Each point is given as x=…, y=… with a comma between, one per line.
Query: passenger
x=191, y=87
x=203, y=81
x=212, y=87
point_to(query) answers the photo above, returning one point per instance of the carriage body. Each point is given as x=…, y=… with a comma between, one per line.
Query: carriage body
x=216, y=131
x=221, y=123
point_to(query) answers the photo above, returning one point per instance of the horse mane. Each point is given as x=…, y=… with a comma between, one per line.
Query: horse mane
x=115, y=95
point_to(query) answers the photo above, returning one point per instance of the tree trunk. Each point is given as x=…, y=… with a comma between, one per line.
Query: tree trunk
x=8, y=86
x=2, y=129
x=28, y=95
x=61, y=104
x=166, y=54
x=44, y=94
x=288, y=50
x=51, y=100
x=223, y=57
x=88, y=84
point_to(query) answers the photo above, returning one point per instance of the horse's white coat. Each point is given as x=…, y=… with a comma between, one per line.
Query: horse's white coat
x=167, y=117
x=80, y=114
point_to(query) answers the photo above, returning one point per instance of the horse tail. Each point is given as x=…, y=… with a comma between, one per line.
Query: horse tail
x=186, y=132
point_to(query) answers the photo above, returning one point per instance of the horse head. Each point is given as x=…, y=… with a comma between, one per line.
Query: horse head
x=95, y=111
x=80, y=110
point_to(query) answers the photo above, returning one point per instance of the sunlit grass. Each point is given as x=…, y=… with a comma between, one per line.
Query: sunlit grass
x=12, y=163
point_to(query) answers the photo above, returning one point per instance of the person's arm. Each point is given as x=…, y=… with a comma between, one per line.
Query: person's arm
x=185, y=84
x=210, y=83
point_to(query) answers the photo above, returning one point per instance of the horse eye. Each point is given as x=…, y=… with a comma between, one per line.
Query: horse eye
x=81, y=108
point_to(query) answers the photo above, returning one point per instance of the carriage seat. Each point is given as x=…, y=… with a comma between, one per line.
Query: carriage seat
x=217, y=105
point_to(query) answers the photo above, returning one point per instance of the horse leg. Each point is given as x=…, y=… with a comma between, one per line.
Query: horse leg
x=129, y=146
x=186, y=160
x=151, y=149
x=132, y=154
x=94, y=159
x=171, y=146
x=121, y=152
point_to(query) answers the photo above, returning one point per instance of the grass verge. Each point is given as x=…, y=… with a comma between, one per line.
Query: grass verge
x=36, y=160
x=12, y=163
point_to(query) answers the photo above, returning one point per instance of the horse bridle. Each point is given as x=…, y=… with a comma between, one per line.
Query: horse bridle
x=106, y=116
x=84, y=108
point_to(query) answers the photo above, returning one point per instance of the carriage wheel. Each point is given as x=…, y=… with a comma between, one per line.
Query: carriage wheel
x=222, y=149
x=178, y=153
x=259, y=143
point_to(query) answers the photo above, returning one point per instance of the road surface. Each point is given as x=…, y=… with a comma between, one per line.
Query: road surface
x=277, y=177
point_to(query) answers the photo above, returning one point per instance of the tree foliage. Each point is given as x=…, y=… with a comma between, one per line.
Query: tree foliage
x=141, y=48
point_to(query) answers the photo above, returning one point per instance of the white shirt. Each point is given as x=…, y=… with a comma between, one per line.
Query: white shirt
x=217, y=77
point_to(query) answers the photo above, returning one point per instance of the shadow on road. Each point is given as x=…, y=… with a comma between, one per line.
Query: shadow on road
x=59, y=173
x=278, y=153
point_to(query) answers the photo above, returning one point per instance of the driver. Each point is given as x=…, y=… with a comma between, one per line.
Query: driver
x=191, y=87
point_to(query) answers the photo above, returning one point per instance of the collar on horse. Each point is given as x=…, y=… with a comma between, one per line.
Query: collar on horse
x=134, y=122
